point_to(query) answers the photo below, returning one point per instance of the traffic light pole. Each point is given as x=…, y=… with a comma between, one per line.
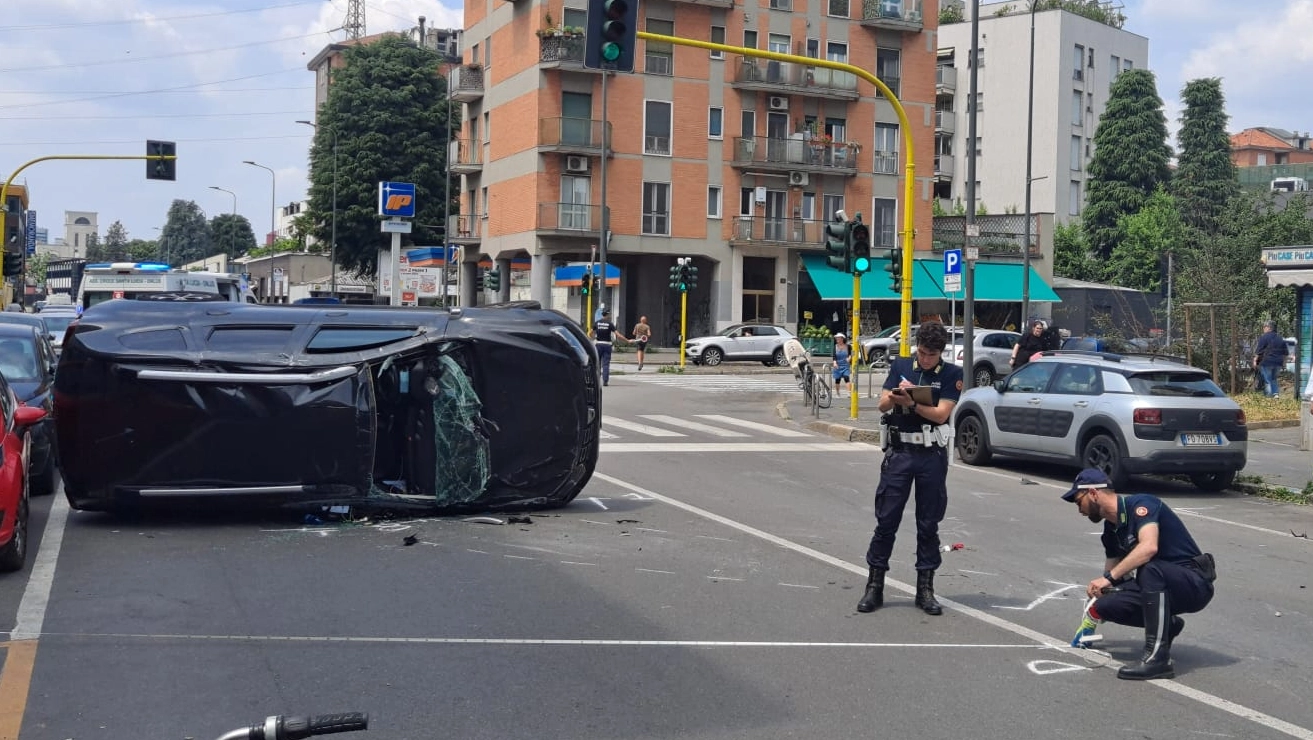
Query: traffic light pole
x=683, y=325
x=606, y=216
x=852, y=357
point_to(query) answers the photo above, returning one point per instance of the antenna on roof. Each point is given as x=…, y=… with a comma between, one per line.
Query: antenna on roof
x=355, y=19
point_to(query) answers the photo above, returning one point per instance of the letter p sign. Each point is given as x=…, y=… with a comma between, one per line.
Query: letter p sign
x=396, y=199
x=397, y=202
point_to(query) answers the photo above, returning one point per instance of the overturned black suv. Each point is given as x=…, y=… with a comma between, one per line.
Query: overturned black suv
x=466, y=409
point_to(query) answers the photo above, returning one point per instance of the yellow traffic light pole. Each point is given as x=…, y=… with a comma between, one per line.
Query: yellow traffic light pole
x=852, y=356
x=683, y=325
x=909, y=160
x=588, y=302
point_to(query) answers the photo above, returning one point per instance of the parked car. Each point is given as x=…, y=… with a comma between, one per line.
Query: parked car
x=468, y=409
x=990, y=351
x=760, y=342
x=1122, y=415
x=26, y=319
x=27, y=361
x=15, y=421
x=877, y=349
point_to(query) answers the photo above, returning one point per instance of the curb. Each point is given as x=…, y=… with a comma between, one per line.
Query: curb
x=842, y=432
x=1275, y=424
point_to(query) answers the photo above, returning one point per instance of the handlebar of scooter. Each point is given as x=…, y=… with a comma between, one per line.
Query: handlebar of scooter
x=296, y=728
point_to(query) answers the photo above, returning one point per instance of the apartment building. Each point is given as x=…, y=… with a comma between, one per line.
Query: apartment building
x=1076, y=61
x=734, y=161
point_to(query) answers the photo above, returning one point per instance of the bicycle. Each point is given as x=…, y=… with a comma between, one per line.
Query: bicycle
x=295, y=728
x=815, y=389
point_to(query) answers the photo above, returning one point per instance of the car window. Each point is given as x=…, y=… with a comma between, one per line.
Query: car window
x=1170, y=383
x=6, y=406
x=1115, y=383
x=250, y=337
x=1080, y=380
x=1033, y=378
x=766, y=331
x=56, y=325
x=18, y=360
x=888, y=331
x=157, y=339
x=354, y=338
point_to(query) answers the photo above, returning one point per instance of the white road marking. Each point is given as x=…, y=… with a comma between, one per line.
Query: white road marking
x=36, y=596
x=1042, y=640
x=755, y=426
x=650, y=431
x=1049, y=667
x=607, y=435
x=652, y=570
x=798, y=585
x=733, y=447
x=675, y=421
x=1046, y=597
x=544, y=641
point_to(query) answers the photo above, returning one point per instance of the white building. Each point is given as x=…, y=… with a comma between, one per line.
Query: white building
x=78, y=228
x=1076, y=61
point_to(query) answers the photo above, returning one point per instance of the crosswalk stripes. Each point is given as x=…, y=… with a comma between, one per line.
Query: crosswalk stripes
x=756, y=426
x=698, y=425
x=721, y=383
x=650, y=431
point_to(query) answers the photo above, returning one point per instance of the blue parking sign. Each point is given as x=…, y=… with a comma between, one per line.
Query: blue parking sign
x=952, y=262
x=396, y=199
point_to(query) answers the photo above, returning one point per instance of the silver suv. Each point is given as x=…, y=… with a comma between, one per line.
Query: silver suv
x=990, y=351
x=1121, y=414
x=762, y=342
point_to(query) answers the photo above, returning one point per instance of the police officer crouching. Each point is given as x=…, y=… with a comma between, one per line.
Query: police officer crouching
x=915, y=442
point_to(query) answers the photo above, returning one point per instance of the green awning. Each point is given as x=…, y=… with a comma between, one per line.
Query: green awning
x=997, y=281
x=836, y=286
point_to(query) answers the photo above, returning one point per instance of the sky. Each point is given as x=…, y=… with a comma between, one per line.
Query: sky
x=227, y=80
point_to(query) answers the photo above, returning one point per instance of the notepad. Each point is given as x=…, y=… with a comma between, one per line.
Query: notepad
x=922, y=394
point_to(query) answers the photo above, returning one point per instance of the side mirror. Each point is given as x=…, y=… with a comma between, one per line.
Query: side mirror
x=51, y=337
x=26, y=416
x=1000, y=385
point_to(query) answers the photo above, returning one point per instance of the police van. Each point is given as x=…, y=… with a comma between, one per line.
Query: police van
x=106, y=281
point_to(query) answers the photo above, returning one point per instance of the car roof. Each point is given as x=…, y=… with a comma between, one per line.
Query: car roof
x=1124, y=361
x=18, y=331
x=24, y=319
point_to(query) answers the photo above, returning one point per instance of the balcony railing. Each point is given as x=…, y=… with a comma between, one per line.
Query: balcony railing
x=465, y=228
x=569, y=219
x=572, y=135
x=883, y=236
x=896, y=15
x=466, y=157
x=562, y=52
x=944, y=165
x=945, y=80
x=792, y=231
x=711, y=3
x=886, y=163
x=945, y=122
x=794, y=154
x=465, y=83
x=892, y=81
x=656, y=145
x=789, y=78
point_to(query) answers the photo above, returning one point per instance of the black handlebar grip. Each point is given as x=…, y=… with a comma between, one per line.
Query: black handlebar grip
x=327, y=724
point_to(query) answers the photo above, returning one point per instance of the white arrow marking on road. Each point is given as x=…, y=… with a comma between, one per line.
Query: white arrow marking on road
x=755, y=426
x=1040, y=600
x=1042, y=667
x=675, y=421
x=640, y=428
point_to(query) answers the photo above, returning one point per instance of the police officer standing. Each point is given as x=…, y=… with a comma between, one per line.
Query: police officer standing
x=604, y=333
x=916, y=443
x=1142, y=535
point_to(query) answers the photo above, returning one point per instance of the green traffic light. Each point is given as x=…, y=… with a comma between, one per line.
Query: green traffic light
x=862, y=264
x=610, y=51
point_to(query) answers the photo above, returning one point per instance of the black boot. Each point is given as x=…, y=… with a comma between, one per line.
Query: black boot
x=1158, y=628
x=874, y=597
x=925, y=593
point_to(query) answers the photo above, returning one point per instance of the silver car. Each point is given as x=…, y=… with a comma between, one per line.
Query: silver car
x=990, y=351
x=762, y=342
x=1123, y=415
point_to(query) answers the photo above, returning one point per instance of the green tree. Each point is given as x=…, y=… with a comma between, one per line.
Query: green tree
x=140, y=250
x=388, y=106
x=1147, y=236
x=36, y=267
x=95, y=250
x=282, y=245
x=116, y=242
x=1130, y=158
x=186, y=234
x=231, y=234
x=1071, y=255
x=1205, y=178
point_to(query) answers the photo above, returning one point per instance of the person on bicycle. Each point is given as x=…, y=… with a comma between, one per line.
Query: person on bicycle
x=843, y=355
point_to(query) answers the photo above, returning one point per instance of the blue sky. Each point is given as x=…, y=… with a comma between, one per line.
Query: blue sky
x=227, y=80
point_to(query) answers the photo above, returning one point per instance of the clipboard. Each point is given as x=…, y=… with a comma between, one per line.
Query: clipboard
x=922, y=394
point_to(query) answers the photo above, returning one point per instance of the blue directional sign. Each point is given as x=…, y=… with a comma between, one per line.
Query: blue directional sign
x=952, y=262
x=31, y=233
x=396, y=199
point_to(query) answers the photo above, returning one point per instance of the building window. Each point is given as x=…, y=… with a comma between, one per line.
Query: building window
x=656, y=127
x=746, y=196
x=1077, y=112
x=1127, y=65
x=1073, y=206
x=750, y=39
x=576, y=17
x=980, y=101
x=748, y=123
x=1261, y=159
x=716, y=123
x=830, y=204
x=483, y=198
x=884, y=222
x=659, y=57
x=814, y=48
x=713, y=201
x=888, y=67
x=717, y=37
x=837, y=52
x=1078, y=63
x=656, y=208
x=839, y=8
x=487, y=52
x=978, y=149
x=1076, y=158
x=886, y=149
x=1114, y=69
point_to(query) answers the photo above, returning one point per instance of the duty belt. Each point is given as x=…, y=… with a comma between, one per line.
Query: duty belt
x=915, y=438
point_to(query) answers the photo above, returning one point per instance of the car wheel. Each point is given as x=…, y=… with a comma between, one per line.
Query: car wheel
x=711, y=356
x=1212, y=482
x=778, y=359
x=984, y=376
x=14, y=554
x=973, y=441
x=44, y=483
x=1102, y=453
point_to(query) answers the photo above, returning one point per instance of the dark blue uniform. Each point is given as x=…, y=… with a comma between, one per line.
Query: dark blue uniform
x=604, y=330
x=905, y=464
x=1173, y=570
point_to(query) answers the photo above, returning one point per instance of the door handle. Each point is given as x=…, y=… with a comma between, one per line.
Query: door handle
x=1033, y=401
x=1081, y=404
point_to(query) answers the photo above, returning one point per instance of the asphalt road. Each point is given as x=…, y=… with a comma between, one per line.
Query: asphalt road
x=702, y=587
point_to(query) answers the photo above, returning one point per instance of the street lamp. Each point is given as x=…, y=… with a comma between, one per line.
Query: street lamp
x=232, y=227
x=273, y=221
x=164, y=240
x=1030, y=139
x=332, y=248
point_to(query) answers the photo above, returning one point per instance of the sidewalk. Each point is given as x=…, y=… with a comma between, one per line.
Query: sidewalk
x=837, y=420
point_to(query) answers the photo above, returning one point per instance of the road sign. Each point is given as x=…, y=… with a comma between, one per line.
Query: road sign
x=31, y=233
x=973, y=229
x=952, y=262
x=953, y=283
x=396, y=199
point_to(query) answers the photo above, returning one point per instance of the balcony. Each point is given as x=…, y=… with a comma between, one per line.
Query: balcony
x=465, y=83
x=892, y=15
x=784, y=232
x=945, y=80
x=465, y=229
x=944, y=166
x=571, y=136
x=562, y=52
x=785, y=78
x=945, y=122
x=710, y=3
x=569, y=220
x=794, y=154
x=465, y=157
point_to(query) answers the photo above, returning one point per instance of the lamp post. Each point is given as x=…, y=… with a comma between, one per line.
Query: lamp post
x=332, y=247
x=273, y=221
x=232, y=227
x=164, y=240
x=1030, y=139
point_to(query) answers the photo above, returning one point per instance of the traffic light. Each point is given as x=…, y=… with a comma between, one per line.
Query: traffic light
x=161, y=169
x=895, y=268
x=691, y=274
x=13, y=264
x=597, y=284
x=492, y=279
x=860, y=248
x=611, y=35
x=586, y=284
x=836, y=245
x=677, y=275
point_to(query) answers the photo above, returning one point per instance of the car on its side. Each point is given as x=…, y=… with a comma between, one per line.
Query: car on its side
x=466, y=409
x=990, y=351
x=1121, y=414
x=758, y=342
x=27, y=362
x=15, y=504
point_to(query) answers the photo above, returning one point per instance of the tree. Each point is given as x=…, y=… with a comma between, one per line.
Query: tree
x=232, y=234
x=389, y=108
x=1071, y=255
x=140, y=250
x=1130, y=158
x=36, y=267
x=1205, y=178
x=95, y=251
x=186, y=234
x=278, y=247
x=1147, y=236
x=116, y=242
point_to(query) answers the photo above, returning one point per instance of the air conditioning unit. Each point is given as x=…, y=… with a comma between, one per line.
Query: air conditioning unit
x=779, y=102
x=576, y=163
x=798, y=178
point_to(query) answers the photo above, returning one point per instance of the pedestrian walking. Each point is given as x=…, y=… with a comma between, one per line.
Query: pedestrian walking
x=1153, y=569
x=641, y=333
x=604, y=334
x=915, y=442
x=1269, y=357
x=843, y=354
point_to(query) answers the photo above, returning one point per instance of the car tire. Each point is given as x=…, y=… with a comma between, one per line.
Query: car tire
x=973, y=441
x=1102, y=452
x=44, y=482
x=13, y=556
x=983, y=377
x=778, y=359
x=711, y=356
x=1213, y=482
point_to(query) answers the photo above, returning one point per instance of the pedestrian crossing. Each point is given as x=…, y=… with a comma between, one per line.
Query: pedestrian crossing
x=709, y=433
x=780, y=383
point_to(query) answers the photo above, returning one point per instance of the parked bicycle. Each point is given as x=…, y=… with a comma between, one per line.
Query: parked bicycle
x=295, y=728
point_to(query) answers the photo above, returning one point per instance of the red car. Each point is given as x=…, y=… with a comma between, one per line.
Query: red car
x=14, y=446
